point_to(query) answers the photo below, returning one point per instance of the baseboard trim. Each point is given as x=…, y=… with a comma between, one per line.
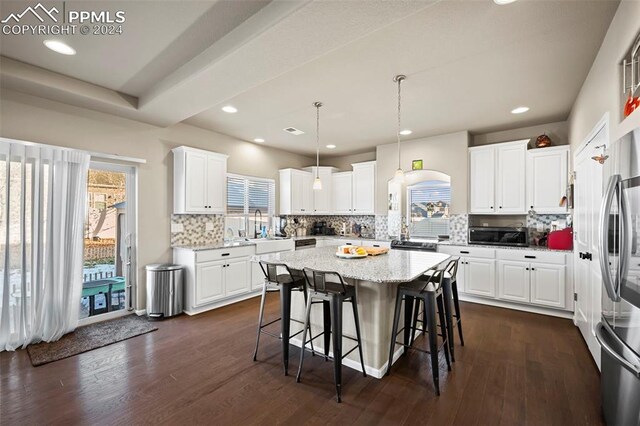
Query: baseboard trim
x=377, y=373
x=516, y=306
x=221, y=303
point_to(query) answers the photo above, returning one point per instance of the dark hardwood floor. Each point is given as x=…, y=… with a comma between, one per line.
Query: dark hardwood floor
x=515, y=369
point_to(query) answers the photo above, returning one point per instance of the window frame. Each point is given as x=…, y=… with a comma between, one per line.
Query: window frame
x=271, y=208
x=426, y=184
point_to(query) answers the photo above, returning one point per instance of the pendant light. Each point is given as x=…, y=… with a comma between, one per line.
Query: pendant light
x=399, y=175
x=317, y=183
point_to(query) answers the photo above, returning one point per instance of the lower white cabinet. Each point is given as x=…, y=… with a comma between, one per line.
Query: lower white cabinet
x=479, y=276
x=236, y=277
x=209, y=282
x=536, y=278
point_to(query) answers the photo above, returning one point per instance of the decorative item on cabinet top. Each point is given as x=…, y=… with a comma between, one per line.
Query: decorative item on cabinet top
x=543, y=141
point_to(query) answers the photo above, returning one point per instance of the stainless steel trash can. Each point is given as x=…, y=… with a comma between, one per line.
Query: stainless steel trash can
x=165, y=290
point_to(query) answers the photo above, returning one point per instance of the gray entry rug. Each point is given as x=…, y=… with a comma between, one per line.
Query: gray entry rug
x=90, y=337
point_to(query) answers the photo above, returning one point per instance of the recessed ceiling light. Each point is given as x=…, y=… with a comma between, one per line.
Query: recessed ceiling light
x=331, y=146
x=230, y=109
x=503, y=2
x=520, y=110
x=259, y=140
x=60, y=47
x=405, y=132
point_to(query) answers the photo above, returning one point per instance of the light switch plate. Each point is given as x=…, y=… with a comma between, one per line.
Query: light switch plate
x=177, y=227
x=208, y=226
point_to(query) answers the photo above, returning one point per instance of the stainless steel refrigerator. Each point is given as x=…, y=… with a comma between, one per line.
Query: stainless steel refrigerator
x=619, y=329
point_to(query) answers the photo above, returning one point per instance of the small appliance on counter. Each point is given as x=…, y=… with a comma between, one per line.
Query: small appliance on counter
x=560, y=240
x=499, y=236
x=321, y=228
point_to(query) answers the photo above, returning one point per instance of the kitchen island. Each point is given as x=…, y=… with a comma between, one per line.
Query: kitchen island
x=376, y=279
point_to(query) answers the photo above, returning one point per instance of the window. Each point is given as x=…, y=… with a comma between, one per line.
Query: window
x=428, y=212
x=246, y=195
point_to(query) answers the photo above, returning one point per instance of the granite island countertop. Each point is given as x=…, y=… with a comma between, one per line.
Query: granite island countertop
x=393, y=267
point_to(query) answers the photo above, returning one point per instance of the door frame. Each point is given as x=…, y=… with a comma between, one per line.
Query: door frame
x=131, y=183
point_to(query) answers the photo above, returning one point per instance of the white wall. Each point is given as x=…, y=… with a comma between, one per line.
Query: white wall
x=557, y=131
x=602, y=90
x=444, y=153
x=34, y=119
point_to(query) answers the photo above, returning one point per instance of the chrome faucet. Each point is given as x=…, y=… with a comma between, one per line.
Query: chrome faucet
x=255, y=220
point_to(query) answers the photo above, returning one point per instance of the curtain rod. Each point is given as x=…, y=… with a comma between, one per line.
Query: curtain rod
x=93, y=154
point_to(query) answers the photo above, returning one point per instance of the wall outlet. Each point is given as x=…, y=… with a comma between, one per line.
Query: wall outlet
x=540, y=227
x=208, y=226
x=177, y=227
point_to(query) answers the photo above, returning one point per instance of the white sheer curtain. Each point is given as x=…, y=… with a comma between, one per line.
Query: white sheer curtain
x=42, y=208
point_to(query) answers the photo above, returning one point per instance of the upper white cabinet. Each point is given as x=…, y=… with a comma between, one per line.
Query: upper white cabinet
x=322, y=198
x=199, y=181
x=497, y=178
x=342, y=192
x=364, y=187
x=547, y=170
x=296, y=192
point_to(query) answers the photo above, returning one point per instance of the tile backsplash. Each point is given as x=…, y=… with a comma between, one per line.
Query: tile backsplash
x=194, y=230
x=458, y=228
x=367, y=222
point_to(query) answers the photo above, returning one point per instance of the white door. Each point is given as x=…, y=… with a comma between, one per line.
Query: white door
x=363, y=189
x=547, y=180
x=216, y=184
x=307, y=193
x=482, y=180
x=513, y=281
x=236, y=277
x=341, y=192
x=511, y=184
x=587, y=276
x=209, y=282
x=196, y=181
x=547, y=285
x=480, y=277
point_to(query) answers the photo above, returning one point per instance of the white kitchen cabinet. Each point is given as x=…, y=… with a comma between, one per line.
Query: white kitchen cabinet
x=257, y=276
x=482, y=166
x=511, y=178
x=323, y=198
x=342, y=193
x=547, y=170
x=199, y=181
x=296, y=192
x=479, y=277
x=364, y=188
x=210, y=282
x=548, y=285
x=513, y=281
x=497, y=178
x=236, y=277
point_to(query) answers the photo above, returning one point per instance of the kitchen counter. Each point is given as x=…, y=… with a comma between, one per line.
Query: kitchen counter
x=216, y=246
x=537, y=248
x=340, y=237
x=394, y=267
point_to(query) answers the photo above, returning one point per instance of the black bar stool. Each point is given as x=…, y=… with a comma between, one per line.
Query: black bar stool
x=449, y=293
x=279, y=278
x=332, y=295
x=429, y=291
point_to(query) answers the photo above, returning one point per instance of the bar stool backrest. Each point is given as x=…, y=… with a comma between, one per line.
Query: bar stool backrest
x=318, y=280
x=270, y=271
x=452, y=268
x=433, y=279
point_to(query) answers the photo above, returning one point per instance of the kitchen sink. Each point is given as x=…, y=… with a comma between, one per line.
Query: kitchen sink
x=271, y=245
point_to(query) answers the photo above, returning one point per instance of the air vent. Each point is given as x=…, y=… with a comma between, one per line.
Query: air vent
x=293, y=131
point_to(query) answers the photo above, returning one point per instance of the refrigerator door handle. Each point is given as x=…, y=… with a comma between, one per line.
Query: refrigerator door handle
x=605, y=209
x=633, y=368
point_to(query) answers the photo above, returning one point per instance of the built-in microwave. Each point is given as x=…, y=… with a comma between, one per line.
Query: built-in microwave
x=499, y=236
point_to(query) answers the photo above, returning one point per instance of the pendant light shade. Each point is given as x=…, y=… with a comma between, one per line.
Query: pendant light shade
x=317, y=183
x=399, y=175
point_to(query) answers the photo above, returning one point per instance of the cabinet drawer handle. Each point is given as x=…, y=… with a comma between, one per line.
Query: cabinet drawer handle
x=348, y=244
x=529, y=257
x=464, y=252
x=376, y=245
x=225, y=254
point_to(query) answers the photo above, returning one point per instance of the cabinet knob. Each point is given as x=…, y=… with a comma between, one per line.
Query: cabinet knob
x=527, y=269
x=533, y=269
x=491, y=207
x=500, y=206
x=531, y=207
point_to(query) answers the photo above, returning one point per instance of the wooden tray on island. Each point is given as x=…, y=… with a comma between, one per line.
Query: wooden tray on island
x=375, y=251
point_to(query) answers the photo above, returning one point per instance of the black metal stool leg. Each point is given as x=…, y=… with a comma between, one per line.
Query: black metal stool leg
x=326, y=319
x=430, y=304
x=354, y=305
x=306, y=300
x=285, y=324
x=408, y=313
x=414, y=323
x=394, y=329
x=443, y=329
x=446, y=296
x=304, y=338
x=456, y=304
x=260, y=319
x=336, y=333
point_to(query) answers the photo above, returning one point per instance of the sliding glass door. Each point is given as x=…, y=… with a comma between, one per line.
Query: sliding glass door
x=108, y=276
